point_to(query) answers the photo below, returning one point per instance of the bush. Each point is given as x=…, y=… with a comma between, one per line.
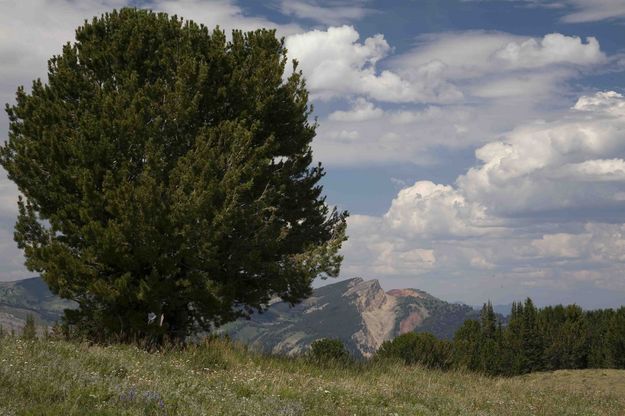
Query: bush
x=329, y=350
x=413, y=348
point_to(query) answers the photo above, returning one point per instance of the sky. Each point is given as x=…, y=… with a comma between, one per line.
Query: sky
x=479, y=145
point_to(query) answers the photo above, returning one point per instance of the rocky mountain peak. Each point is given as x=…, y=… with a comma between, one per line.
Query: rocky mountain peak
x=366, y=294
x=403, y=293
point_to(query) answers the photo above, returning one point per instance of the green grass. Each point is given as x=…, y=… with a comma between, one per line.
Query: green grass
x=64, y=378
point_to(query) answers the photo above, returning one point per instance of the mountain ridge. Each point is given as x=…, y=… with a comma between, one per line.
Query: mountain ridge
x=356, y=311
x=361, y=314
x=19, y=298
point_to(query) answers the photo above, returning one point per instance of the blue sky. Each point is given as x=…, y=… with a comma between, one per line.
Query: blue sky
x=478, y=144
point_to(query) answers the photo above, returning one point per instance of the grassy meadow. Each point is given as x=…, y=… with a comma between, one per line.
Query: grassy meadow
x=45, y=377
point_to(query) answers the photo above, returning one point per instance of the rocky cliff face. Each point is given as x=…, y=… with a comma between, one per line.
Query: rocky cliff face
x=359, y=313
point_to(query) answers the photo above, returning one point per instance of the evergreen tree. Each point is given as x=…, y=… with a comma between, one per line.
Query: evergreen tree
x=29, y=332
x=573, y=336
x=488, y=320
x=166, y=177
x=531, y=338
x=617, y=338
x=467, y=346
x=512, y=360
x=490, y=349
x=601, y=354
x=551, y=321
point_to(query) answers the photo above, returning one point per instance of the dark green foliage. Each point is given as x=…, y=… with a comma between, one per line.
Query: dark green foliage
x=531, y=341
x=2, y=333
x=601, y=351
x=552, y=338
x=568, y=345
x=488, y=321
x=616, y=337
x=29, y=332
x=418, y=348
x=555, y=337
x=477, y=345
x=328, y=351
x=467, y=345
x=167, y=170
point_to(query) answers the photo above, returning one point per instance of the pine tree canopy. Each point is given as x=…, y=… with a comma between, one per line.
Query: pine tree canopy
x=167, y=171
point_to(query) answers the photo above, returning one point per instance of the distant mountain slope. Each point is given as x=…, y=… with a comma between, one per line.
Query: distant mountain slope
x=355, y=311
x=29, y=296
x=358, y=312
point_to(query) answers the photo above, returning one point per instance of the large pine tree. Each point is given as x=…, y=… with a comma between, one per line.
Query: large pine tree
x=166, y=177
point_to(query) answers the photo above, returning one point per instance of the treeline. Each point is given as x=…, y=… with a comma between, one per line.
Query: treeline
x=533, y=339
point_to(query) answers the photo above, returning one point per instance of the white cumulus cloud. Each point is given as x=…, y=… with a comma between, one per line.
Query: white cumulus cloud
x=426, y=209
x=553, y=48
x=361, y=110
x=334, y=13
x=594, y=10
x=573, y=162
x=336, y=64
x=529, y=218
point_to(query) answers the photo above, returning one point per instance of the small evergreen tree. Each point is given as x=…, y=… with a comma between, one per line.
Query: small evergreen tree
x=574, y=335
x=512, y=360
x=488, y=321
x=617, y=338
x=532, y=345
x=551, y=320
x=599, y=348
x=29, y=332
x=468, y=345
x=490, y=357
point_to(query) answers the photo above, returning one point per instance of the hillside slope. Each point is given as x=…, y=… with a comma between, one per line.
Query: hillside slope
x=29, y=296
x=61, y=378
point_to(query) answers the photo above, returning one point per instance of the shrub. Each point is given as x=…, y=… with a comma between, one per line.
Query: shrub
x=413, y=348
x=328, y=350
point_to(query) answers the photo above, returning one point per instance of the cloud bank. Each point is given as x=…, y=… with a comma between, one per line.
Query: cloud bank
x=532, y=212
x=452, y=90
